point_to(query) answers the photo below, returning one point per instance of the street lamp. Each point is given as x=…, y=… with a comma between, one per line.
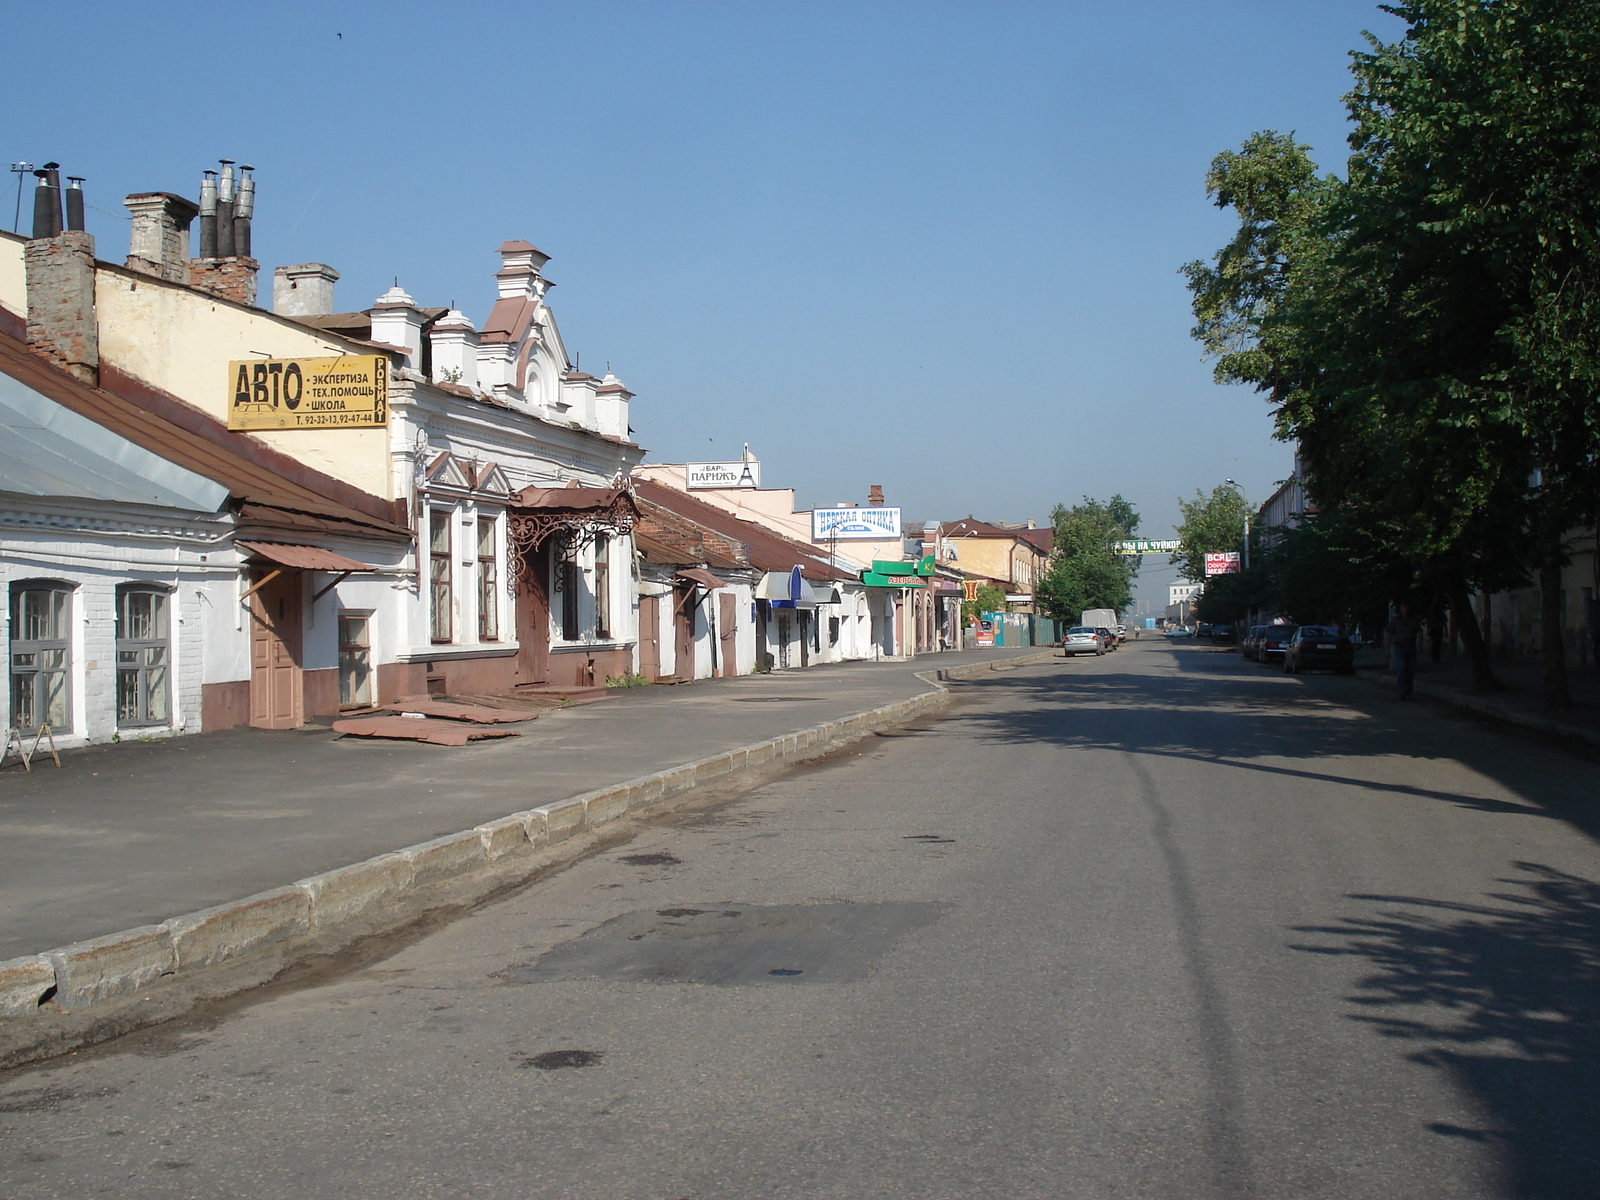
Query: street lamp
x=1246, y=499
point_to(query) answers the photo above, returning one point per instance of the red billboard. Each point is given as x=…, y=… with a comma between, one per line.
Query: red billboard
x=1224, y=562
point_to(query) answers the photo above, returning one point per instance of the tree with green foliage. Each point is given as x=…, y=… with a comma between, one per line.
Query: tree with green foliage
x=1211, y=524
x=1427, y=328
x=1477, y=165
x=1085, y=570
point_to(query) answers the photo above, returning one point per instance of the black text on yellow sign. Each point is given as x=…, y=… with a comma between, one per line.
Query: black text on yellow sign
x=309, y=393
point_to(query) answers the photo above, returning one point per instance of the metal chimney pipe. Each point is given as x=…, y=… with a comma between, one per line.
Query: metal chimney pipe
x=208, y=215
x=75, y=202
x=47, y=201
x=225, y=194
x=244, y=208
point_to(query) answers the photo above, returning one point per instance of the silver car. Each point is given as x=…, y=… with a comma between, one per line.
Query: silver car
x=1080, y=639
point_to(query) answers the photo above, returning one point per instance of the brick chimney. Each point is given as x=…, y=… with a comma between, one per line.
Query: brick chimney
x=159, y=241
x=303, y=290
x=62, y=326
x=232, y=278
x=875, y=496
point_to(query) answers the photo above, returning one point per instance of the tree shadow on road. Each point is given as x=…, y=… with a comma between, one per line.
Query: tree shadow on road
x=1504, y=996
x=1289, y=728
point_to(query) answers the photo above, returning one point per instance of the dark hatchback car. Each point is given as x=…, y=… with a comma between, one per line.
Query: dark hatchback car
x=1223, y=633
x=1274, y=640
x=1250, y=644
x=1323, y=647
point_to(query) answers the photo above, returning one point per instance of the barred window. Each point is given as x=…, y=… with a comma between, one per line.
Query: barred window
x=439, y=572
x=602, y=586
x=144, y=654
x=567, y=572
x=40, y=654
x=488, y=582
x=355, y=661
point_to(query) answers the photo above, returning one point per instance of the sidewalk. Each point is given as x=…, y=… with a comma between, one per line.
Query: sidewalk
x=1451, y=682
x=132, y=834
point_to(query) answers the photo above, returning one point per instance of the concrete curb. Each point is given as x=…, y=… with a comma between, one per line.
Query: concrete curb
x=1485, y=705
x=86, y=992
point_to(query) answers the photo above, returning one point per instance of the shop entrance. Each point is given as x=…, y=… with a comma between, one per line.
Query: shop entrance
x=728, y=631
x=683, y=626
x=277, y=692
x=533, y=617
x=650, y=637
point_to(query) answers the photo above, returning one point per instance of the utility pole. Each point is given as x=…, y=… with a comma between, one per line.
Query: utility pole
x=19, y=169
x=1246, y=500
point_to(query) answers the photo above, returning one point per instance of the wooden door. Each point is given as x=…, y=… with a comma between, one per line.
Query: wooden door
x=683, y=622
x=728, y=632
x=533, y=619
x=650, y=637
x=277, y=692
x=763, y=650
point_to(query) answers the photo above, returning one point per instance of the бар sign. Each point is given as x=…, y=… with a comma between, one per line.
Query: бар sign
x=350, y=392
x=746, y=473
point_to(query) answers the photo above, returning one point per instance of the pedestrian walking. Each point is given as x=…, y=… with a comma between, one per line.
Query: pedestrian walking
x=1401, y=641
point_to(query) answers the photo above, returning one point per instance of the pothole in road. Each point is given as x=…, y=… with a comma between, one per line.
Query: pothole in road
x=727, y=945
x=658, y=859
x=695, y=912
x=558, y=1060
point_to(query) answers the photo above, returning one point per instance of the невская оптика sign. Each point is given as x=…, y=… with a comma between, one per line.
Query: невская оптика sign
x=309, y=393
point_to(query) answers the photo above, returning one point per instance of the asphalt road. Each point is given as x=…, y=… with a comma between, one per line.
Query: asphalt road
x=1160, y=924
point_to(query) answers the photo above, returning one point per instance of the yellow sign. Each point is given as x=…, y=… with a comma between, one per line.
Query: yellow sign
x=309, y=393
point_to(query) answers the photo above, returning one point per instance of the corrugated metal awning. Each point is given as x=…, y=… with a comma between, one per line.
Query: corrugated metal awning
x=701, y=576
x=304, y=558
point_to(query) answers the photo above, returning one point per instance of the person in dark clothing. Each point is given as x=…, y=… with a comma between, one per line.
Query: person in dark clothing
x=1401, y=642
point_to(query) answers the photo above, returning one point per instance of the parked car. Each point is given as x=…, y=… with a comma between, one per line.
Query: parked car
x=1223, y=633
x=1274, y=640
x=1202, y=630
x=1108, y=635
x=1080, y=639
x=1122, y=634
x=1251, y=642
x=1319, y=646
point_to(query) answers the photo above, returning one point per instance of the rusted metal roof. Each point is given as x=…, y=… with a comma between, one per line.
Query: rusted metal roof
x=420, y=729
x=303, y=558
x=577, y=499
x=661, y=554
x=767, y=550
x=701, y=576
x=253, y=472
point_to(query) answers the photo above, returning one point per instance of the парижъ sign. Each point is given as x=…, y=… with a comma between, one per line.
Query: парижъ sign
x=309, y=393
x=746, y=473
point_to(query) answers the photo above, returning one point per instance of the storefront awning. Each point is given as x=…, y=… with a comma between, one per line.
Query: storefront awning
x=578, y=514
x=303, y=558
x=787, y=589
x=702, y=577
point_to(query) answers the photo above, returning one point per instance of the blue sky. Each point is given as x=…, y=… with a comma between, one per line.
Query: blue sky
x=930, y=246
